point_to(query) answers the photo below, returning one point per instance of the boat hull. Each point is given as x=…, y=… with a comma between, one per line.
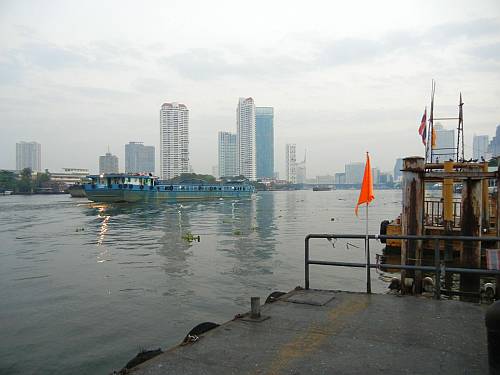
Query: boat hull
x=116, y=196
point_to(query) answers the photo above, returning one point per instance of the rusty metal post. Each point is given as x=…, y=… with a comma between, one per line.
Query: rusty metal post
x=448, y=221
x=470, y=256
x=412, y=217
x=497, y=221
x=486, y=202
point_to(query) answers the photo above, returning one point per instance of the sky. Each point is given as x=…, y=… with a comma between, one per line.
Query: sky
x=344, y=77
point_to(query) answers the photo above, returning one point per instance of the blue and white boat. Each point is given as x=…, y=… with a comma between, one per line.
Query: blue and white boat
x=138, y=188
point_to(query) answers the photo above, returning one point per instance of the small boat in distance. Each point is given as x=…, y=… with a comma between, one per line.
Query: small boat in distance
x=322, y=188
x=138, y=188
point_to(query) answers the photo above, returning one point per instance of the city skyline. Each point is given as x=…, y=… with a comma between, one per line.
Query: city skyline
x=340, y=88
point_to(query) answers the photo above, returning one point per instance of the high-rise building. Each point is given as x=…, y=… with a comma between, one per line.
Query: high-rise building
x=108, y=163
x=354, y=173
x=301, y=171
x=29, y=155
x=264, y=141
x=174, y=140
x=339, y=178
x=480, y=147
x=397, y=169
x=445, y=148
x=245, y=132
x=139, y=158
x=227, y=154
x=291, y=163
x=494, y=146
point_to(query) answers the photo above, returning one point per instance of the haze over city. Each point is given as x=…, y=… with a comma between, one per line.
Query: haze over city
x=343, y=78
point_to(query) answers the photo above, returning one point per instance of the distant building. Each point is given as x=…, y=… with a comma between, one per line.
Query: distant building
x=480, y=147
x=325, y=180
x=215, y=171
x=29, y=155
x=264, y=141
x=375, y=175
x=339, y=178
x=445, y=148
x=174, y=140
x=139, y=158
x=227, y=154
x=245, y=133
x=494, y=146
x=385, y=178
x=354, y=173
x=69, y=176
x=291, y=163
x=301, y=171
x=397, y=169
x=108, y=163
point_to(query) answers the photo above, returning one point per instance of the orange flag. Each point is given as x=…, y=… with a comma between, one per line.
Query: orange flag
x=366, y=193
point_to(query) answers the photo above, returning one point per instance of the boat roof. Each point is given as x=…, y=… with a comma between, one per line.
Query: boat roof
x=121, y=175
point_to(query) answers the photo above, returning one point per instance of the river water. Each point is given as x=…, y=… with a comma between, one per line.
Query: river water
x=86, y=286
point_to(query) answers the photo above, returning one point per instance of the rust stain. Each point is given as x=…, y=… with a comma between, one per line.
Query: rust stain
x=316, y=334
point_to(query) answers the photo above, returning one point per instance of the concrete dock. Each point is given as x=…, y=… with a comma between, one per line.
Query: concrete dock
x=331, y=332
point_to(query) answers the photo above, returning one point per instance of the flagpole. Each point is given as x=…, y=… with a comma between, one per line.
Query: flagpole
x=367, y=251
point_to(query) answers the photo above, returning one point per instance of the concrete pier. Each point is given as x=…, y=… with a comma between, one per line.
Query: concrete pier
x=330, y=332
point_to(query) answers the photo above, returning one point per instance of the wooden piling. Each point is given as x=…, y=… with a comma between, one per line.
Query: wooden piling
x=485, y=216
x=470, y=256
x=497, y=219
x=412, y=218
x=448, y=221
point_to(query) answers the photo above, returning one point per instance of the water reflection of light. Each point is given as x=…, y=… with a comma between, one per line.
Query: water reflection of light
x=104, y=254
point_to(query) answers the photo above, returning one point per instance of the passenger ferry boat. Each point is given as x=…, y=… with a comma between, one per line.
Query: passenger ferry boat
x=136, y=188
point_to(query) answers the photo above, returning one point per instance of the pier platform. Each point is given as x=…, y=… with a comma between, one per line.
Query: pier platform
x=331, y=332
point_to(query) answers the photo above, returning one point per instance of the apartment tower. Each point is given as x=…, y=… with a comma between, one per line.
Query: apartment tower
x=174, y=140
x=245, y=136
x=29, y=155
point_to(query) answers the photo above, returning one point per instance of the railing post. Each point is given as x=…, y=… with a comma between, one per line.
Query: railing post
x=368, y=276
x=306, y=263
x=437, y=264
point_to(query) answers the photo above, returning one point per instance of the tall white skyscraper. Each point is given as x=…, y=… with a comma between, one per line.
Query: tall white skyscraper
x=29, y=155
x=480, y=147
x=139, y=158
x=245, y=135
x=291, y=163
x=174, y=140
x=108, y=163
x=227, y=154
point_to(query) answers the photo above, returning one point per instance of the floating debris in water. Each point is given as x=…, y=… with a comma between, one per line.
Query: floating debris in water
x=79, y=229
x=237, y=232
x=189, y=237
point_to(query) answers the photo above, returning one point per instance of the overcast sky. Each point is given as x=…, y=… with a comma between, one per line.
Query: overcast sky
x=344, y=77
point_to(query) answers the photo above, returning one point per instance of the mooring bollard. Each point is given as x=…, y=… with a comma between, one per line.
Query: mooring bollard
x=492, y=320
x=255, y=307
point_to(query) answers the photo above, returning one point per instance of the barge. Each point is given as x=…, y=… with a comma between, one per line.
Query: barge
x=139, y=188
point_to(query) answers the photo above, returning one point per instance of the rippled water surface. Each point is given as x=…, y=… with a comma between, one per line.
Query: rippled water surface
x=85, y=286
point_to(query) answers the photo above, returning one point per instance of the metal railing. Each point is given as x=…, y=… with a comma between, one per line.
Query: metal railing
x=438, y=268
x=434, y=213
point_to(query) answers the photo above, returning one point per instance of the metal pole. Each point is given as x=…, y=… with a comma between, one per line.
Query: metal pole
x=367, y=251
x=437, y=263
x=306, y=264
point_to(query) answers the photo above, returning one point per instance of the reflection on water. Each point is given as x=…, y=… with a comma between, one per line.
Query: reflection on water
x=85, y=285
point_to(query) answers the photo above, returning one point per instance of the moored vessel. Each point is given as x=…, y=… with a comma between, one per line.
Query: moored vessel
x=137, y=188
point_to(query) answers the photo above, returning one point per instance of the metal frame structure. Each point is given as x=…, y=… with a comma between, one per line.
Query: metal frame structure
x=438, y=269
x=458, y=151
